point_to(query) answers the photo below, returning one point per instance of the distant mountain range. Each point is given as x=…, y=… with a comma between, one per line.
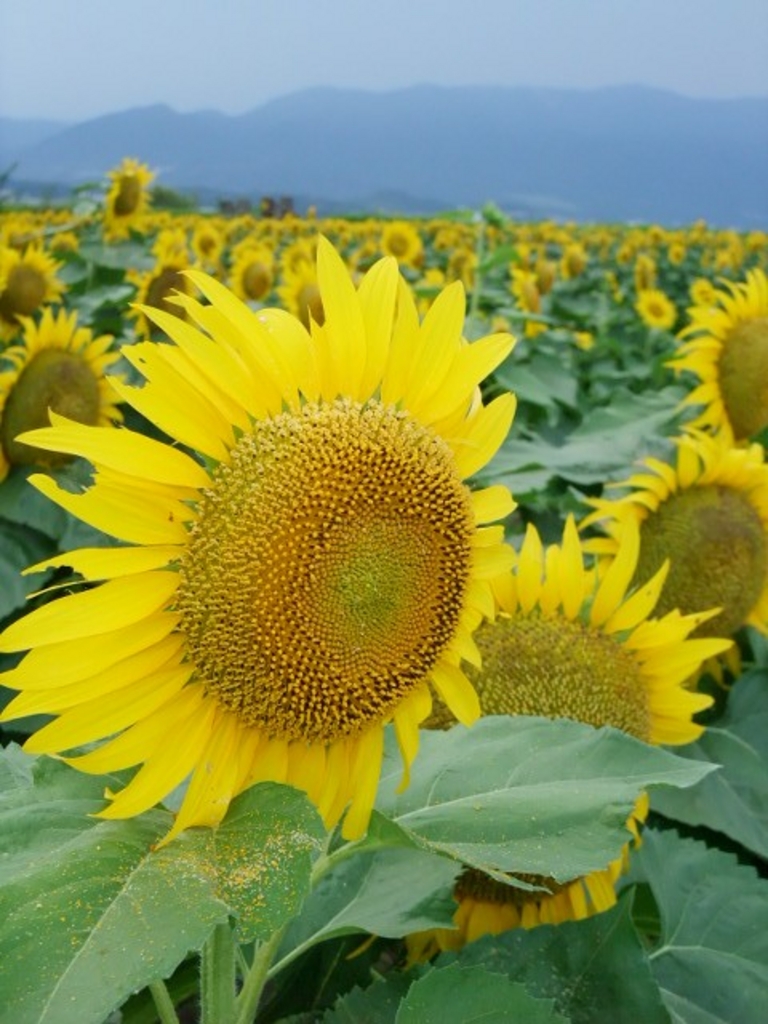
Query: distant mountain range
x=614, y=154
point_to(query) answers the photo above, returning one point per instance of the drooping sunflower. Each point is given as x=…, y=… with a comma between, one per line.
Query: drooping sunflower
x=725, y=345
x=570, y=644
x=56, y=365
x=27, y=282
x=127, y=199
x=707, y=514
x=302, y=584
x=656, y=309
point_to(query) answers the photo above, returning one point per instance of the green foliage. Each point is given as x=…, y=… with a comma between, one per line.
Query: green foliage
x=101, y=912
x=469, y=995
x=527, y=794
x=596, y=970
x=711, y=958
x=733, y=800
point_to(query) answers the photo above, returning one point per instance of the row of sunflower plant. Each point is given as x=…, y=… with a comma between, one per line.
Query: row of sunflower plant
x=383, y=606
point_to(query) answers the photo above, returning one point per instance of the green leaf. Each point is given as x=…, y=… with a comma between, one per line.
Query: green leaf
x=20, y=547
x=543, y=380
x=377, y=1004
x=100, y=914
x=260, y=856
x=88, y=913
x=464, y=995
x=734, y=800
x=527, y=795
x=596, y=970
x=389, y=893
x=711, y=962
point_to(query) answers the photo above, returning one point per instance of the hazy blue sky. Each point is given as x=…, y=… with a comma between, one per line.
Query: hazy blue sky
x=73, y=59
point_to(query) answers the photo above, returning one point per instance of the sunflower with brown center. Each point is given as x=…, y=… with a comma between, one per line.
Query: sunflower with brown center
x=302, y=583
x=726, y=346
x=656, y=309
x=569, y=644
x=27, y=282
x=707, y=514
x=56, y=366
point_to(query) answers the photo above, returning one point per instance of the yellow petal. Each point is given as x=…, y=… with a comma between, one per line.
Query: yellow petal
x=139, y=742
x=483, y=434
x=365, y=770
x=120, y=449
x=407, y=719
x=613, y=586
x=137, y=517
x=344, y=324
x=109, y=606
x=108, y=563
x=639, y=606
x=60, y=664
x=456, y=691
x=492, y=503
x=212, y=786
x=377, y=293
x=168, y=766
x=96, y=718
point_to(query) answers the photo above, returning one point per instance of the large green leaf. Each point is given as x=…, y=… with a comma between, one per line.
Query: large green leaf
x=527, y=794
x=596, y=970
x=604, y=447
x=390, y=893
x=100, y=913
x=733, y=800
x=470, y=995
x=260, y=856
x=711, y=961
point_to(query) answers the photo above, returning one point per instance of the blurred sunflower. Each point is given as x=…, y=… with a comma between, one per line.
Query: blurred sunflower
x=56, y=366
x=158, y=288
x=568, y=644
x=275, y=609
x=127, y=199
x=252, y=273
x=708, y=515
x=726, y=346
x=401, y=239
x=27, y=282
x=299, y=292
x=656, y=309
x=207, y=244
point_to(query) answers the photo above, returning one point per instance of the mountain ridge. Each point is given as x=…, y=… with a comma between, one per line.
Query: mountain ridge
x=620, y=153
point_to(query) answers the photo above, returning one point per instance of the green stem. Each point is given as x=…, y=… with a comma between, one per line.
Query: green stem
x=166, y=1011
x=256, y=978
x=474, y=300
x=217, y=977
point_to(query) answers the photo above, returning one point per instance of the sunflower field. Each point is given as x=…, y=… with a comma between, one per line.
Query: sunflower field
x=383, y=617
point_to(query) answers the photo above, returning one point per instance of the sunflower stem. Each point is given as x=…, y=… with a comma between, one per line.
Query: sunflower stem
x=253, y=984
x=474, y=299
x=217, y=977
x=166, y=1011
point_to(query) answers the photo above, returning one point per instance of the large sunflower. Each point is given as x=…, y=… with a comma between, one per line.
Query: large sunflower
x=27, y=282
x=707, y=514
x=302, y=585
x=56, y=365
x=127, y=199
x=568, y=644
x=726, y=347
